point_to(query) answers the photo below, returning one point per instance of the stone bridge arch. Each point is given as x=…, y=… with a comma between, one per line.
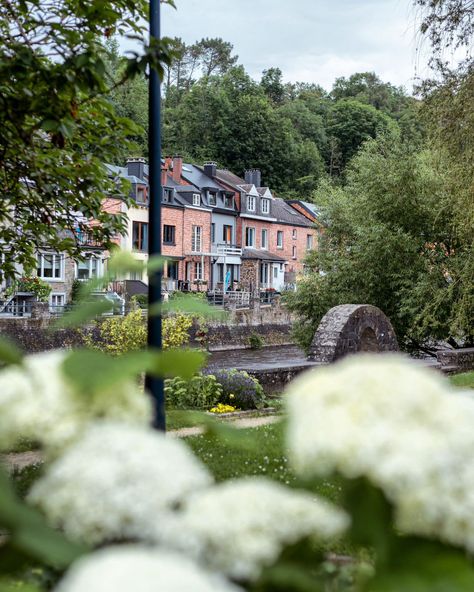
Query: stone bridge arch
x=351, y=328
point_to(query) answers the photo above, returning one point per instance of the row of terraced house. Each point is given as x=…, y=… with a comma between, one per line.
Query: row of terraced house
x=220, y=233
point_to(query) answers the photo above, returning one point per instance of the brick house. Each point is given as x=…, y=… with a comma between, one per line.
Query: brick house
x=275, y=237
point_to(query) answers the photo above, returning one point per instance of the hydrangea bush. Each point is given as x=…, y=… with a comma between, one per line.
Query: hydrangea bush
x=397, y=438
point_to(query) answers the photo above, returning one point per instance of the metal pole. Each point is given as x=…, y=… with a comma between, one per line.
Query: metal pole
x=155, y=385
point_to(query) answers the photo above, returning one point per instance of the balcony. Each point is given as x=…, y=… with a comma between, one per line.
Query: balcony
x=226, y=249
x=86, y=239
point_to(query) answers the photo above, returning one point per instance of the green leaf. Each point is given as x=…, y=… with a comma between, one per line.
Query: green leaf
x=175, y=362
x=371, y=517
x=83, y=313
x=9, y=352
x=28, y=534
x=425, y=566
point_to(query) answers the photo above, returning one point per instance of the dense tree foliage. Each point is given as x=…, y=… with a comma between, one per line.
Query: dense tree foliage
x=296, y=133
x=389, y=241
x=57, y=126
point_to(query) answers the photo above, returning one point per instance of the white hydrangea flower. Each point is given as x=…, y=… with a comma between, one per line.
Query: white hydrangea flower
x=38, y=402
x=240, y=526
x=139, y=569
x=398, y=424
x=116, y=481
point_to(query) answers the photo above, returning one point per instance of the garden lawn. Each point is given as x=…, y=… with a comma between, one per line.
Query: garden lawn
x=465, y=380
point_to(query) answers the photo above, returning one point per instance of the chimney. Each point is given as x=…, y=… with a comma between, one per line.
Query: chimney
x=177, y=168
x=257, y=178
x=249, y=176
x=210, y=169
x=136, y=167
x=164, y=176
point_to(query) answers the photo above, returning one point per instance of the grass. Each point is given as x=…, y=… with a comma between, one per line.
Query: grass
x=464, y=380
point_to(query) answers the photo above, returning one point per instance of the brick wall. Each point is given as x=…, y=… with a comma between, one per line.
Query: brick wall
x=195, y=217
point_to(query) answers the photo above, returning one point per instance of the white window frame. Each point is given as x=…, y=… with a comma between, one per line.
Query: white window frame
x=196, y=239
x=196, y=199
x=309, y=242
x=251, y=203
x=265, y=206
x=198, y=271
x=247, y=235
x=54, y=295
x=279, y=243
x=295, y=234
x=293, y=255
x=90, y=276
x=264, y=243
x=40, y=266
x=212, y=198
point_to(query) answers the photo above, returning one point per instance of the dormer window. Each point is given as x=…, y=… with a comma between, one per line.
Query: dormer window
x=265, y=206
x=167, y=194
x=212, y=199
x=229, y=201
x=141, y=196
x=196, y=199
x=250, y=203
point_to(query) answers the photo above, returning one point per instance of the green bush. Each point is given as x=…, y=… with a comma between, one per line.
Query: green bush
x=140, y=300
x=240, y=389
x=201, y=392
x=255, y=341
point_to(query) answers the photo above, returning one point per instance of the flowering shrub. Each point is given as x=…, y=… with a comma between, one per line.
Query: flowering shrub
x=118, y=335
x=236, y=527
x=397, y=438
x=96, y=510
x=176, y=330
x=35, y=285
x=39, y=402
x=240, y=389
x=141, y=569
x=221, y=408
x=202, y=391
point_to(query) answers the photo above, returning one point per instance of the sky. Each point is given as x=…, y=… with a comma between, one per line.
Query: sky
x=309, y=40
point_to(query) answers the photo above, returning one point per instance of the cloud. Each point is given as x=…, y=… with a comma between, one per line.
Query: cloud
x=310, y=40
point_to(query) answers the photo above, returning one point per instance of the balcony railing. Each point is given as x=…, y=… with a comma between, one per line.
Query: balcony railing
x=87, y=239
x=226, y=249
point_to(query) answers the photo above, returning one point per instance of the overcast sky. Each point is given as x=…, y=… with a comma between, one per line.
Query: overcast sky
x=310, y=40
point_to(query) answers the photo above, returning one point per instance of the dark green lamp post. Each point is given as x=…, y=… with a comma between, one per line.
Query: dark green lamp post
x=155, y=385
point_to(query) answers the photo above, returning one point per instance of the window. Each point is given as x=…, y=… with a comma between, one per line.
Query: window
x=309, y=242
x=280, y=239
x=50, y=266
x=213, y=233
x=57, y=301
x=227, y=234
x=136, y=275
x=198, y=271
x=196, y=199
x=249, y=237
x=275, y=272
x=212, y=199
x=167, y=194
x=250, y=203
x=141, y=195
x=294, y=252
x=265, y=206
x=196, y=239
x=169, y=234
x=88, y=268
x=294, y=233
x=140, y=236
x=229, y=201
x=264, y=238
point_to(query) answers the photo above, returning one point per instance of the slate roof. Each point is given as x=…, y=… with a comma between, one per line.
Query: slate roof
x=229, y=177
x=196, y=176
x=283, y=212
x=248, y=253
